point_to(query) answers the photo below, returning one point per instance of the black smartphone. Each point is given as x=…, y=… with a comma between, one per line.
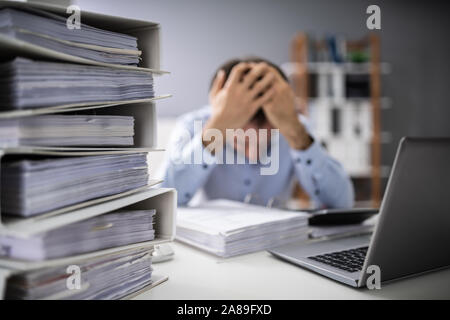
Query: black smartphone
x=340, y=216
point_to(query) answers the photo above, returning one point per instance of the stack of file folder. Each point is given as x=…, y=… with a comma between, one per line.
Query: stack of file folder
x=50, y=31
x=113, y=229
x=74, y=178
x=67, y=130
x=35, y=84
x=227, y=228
x=31, y=187
x=111, y=276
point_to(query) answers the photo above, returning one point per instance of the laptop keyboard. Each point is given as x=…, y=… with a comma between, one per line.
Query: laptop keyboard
x=348, y=260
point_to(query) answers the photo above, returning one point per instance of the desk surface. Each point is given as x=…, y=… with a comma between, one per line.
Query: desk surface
x=194, y=274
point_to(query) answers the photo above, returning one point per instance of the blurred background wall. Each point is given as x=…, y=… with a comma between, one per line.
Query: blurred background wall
x=198, y=35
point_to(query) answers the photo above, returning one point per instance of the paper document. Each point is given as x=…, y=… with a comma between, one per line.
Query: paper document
x=36, y=84
x=106, y=277
x=67, y=130
x=50, y=31
x=118, y=228
x=31, y=187
x=228, y=228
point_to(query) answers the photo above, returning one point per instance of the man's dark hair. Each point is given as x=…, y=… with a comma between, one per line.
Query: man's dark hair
x=230, y=64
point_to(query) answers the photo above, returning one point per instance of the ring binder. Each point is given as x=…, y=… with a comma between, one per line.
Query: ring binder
x=162, y=200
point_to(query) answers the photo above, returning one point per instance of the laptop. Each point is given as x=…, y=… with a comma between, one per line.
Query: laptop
x=413, y=229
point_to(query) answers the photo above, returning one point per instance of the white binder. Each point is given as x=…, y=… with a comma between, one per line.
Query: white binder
x=162, y=199
x=144, y=112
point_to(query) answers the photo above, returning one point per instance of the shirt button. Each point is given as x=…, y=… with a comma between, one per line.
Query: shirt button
x=187, y=195
x=308, y=162
x=317, y=192
x=205, y=166
x=298, y=160
x=247, y=182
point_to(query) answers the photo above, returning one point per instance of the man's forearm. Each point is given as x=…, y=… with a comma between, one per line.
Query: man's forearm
x=209, y=141
x=296, y=135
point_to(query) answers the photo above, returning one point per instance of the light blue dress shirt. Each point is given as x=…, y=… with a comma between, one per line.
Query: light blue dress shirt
x=322, y=177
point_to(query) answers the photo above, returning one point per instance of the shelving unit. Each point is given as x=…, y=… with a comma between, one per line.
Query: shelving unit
x=344, y=102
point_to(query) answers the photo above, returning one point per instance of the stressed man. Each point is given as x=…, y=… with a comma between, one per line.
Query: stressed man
x=251, y=144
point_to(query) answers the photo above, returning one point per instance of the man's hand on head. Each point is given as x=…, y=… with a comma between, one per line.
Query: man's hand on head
x=281, y=113
x=235, y=101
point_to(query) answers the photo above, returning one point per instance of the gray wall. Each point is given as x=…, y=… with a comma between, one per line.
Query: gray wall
x=197, y=35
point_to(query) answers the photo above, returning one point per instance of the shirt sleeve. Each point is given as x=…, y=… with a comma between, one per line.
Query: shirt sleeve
x=188, y=164
x=322, y=177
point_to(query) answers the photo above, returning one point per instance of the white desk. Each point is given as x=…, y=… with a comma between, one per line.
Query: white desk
x=194, y=274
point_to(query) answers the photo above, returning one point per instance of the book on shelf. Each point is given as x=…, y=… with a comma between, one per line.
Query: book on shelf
x=336, y=48
x=345, y=129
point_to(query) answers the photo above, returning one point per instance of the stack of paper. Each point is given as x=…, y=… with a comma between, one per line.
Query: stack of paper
x=32, y=84
x=228, y=228
x=114, y=229
x=50, y=31
x=67, y=130
x=110, y=276
x=31, y=187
